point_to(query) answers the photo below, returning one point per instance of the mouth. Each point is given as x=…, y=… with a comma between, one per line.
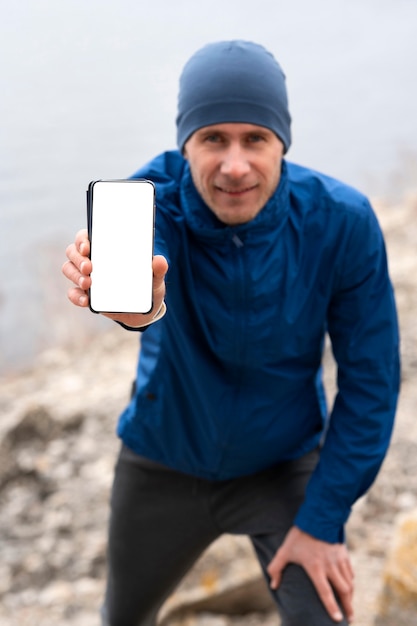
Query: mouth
x=235, y=191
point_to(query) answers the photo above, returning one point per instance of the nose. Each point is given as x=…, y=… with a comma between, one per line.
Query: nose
x=235, y=163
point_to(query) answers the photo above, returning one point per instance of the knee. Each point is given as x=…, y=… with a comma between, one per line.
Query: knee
x=298, y=601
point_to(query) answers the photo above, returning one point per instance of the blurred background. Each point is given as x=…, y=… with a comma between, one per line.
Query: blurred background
x=88, y=90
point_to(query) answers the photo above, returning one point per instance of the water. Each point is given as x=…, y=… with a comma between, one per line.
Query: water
x=88, y=90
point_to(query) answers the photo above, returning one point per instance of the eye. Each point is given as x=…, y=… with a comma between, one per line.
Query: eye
x=255, y=138
x=212, y=138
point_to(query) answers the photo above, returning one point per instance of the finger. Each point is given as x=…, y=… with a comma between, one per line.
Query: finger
x=160, y=268
x=82, y=242
x=78, y=297
x=348, y=567
x=342, y=578
x=346, y=573
x=327, y=597
x=346, y=600
x=275, y=569
x=71, y=272
x=80, y=261
x=79, y=251
x=342, y=583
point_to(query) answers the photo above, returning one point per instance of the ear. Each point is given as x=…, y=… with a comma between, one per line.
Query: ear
x=184, y=152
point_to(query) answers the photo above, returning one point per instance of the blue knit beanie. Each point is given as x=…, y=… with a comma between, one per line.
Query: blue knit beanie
x=233, y=81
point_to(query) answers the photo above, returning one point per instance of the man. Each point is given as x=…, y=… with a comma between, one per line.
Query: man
x=227, y=430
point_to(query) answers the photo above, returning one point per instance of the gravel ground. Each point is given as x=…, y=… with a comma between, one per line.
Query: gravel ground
x=57, y=450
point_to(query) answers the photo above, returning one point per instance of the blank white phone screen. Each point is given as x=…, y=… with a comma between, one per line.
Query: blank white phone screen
x=121, y=233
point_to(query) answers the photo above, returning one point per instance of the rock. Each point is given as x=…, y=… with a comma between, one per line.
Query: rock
x=398, y=599
x=24, y=438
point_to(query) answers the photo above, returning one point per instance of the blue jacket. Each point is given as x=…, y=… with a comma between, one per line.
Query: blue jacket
x=229, y=381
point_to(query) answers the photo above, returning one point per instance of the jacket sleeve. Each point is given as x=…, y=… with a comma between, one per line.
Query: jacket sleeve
x=363, y=328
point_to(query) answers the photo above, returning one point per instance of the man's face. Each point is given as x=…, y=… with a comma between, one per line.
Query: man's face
x=235, y=168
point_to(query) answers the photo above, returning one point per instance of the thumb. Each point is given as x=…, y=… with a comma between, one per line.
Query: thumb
x=159, y=266
x=276, y=567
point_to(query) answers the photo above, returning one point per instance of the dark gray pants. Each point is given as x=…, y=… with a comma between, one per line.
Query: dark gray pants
x=162, y=521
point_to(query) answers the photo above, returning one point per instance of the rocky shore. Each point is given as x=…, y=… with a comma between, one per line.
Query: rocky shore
x=57, y=451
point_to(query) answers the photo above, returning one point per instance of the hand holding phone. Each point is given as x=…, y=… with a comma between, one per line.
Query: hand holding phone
x=121, y=232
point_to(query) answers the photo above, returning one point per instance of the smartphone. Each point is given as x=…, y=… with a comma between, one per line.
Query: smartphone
x=120, y=216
